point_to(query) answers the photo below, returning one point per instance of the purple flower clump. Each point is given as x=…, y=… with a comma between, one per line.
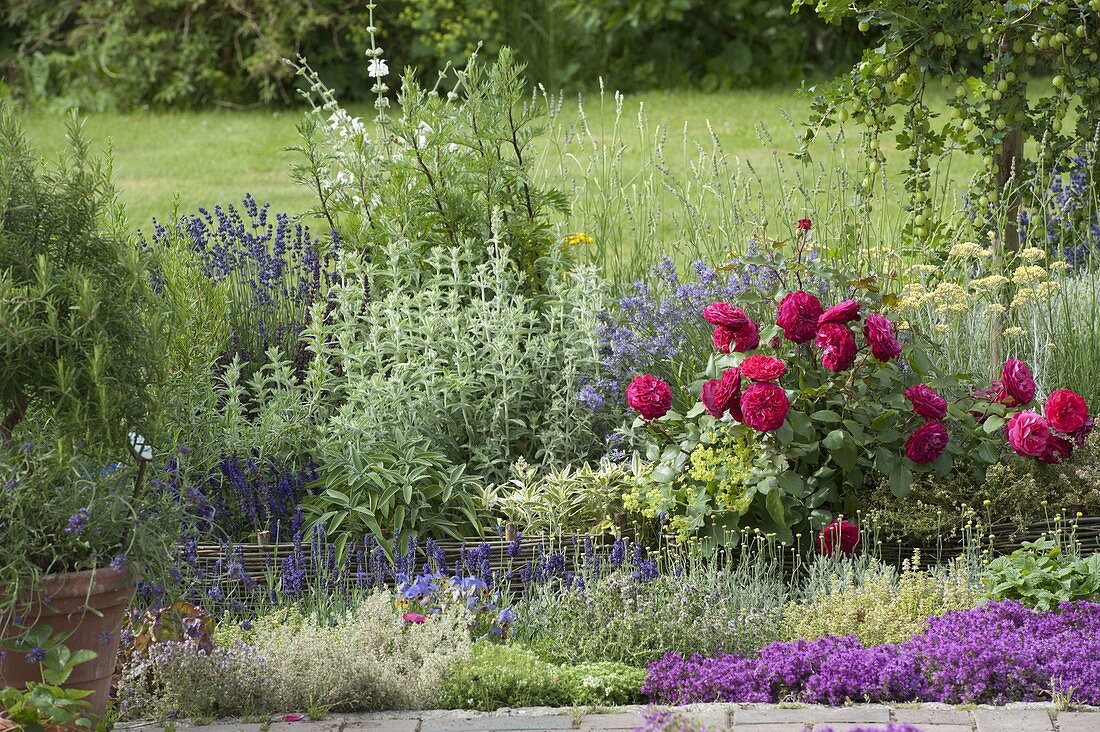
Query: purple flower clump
x=993, y=654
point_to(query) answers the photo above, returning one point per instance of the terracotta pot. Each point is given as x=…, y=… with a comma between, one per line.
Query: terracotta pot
x=63, y=603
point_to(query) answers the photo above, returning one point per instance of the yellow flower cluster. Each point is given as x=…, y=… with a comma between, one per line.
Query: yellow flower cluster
x=967, y=249
x=644, y=497
x=1015, y=331
x=1032, y=254
x=572, y=240
x=725, y=468
x=947, y=297
x=1034, y=294
x=991, y=282
x=1028, y=273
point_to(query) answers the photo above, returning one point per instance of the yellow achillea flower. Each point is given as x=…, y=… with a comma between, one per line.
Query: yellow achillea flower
x=1061, y=266
x=968, y=249
x=1015, y=332
x=572, y=240
x=1032, y=254
x=996, y=308
x=925, y=269
x=991, y=282
x=1028, y=273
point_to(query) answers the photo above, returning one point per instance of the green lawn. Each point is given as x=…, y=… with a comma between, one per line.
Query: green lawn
x=217, y=156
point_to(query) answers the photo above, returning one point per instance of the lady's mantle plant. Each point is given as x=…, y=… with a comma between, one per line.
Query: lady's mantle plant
x=792, y=418
x=79, y=371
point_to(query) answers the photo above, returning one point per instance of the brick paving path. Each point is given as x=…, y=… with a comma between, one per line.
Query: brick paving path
x=716, y=717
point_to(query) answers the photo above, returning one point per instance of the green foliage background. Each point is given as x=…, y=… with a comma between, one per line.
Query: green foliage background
x=122, y=54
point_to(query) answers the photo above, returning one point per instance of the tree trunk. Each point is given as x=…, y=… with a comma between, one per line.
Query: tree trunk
x=1009, y=166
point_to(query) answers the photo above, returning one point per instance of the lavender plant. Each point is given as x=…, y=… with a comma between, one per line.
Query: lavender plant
x=271, y=271
x=1065, y=220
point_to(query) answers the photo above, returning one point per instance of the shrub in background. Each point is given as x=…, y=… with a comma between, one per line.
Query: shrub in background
x=169, y=53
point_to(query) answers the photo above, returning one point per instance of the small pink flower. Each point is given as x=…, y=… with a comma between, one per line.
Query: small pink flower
x=764, y=407
x=726, y=315
x=1065, y=411
x=293, y=717
x=1027, y=433
x=649, y=396
x=805, y=224
x=414, y=618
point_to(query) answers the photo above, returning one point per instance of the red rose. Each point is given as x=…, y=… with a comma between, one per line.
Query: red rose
x=723, y=394
x=1019, y=384
x=743, y=339
x=1058, y=450
x=649, y=396
x=748, y=338
x=762, y=368
x=839, y=536
x=804, y=224
x=798, y=314
x=1027, y=433
x=927, y=442
x=838, y=346
x=724, y=314
x=1080, y=435
x=1065, y=411
x=723, y=339
x=843, y=312
x=879, y=332
x=764, y=407
x=926, y=402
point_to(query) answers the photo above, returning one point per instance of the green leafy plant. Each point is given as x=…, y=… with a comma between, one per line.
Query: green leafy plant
x=1042, y=574
x=45, y=705
x=391, y=490
x=571, y=499
x=498, y=676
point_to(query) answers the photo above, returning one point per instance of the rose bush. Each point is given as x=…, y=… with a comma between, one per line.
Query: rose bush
x=785, y=435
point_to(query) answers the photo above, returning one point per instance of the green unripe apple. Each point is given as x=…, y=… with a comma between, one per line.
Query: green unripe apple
x=864, y=26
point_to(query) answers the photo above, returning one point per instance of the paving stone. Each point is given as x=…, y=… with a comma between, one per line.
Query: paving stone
x=498, y=724
x=944, y=728
x=610, y=721
x=1012, y=720
x=1079, y=721
x=769, y=727
x=864, y=714
x=921, y=717
x=382, y=725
